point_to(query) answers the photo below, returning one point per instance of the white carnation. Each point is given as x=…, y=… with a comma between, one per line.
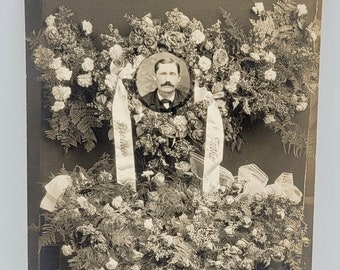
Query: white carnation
x=270, y=58
x=56, y=63
x=63, y=74
x=301, y=10
x=301, y=106
x=231, y=87
x=235, y=77
x=258, y=8
x=87, y=27
x=61, y=93
x=67, y=250
x=117, y=202
x=111, y=264
x=116, y=51
x=245, y=48
x=58, y=105
x=270, y=75
x=111, y=81
x=148, y=224
x=204, y=63
x=255, y=56
x=88, y=64
x=82, y=201
x=313, y=35
x=198, y=36
x=50, y=20
x=85, y=80
x=269, y=118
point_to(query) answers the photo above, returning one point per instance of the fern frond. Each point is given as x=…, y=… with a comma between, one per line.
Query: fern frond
x=233, y=26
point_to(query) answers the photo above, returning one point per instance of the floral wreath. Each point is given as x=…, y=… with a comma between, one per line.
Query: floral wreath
x=268, y=74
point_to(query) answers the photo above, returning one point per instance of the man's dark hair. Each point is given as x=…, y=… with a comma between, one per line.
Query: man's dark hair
x=167, y=61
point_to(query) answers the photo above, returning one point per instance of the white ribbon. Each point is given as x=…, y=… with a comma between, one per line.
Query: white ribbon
x=214, y=141
x=54, y=189
x=213, y=155
x=124, y=152
x=256, y=183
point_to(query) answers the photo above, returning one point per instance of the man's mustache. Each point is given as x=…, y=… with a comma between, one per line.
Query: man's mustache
x=167, y=84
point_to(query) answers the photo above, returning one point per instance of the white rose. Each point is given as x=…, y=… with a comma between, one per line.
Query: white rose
x=61, y=93
x=167, y=239
x=183, y=21
x=147, y=19
x=63, y=73
x=270, y=75
x=147, y=173
x=245, y=48
x=301, y=10
x=116, y=51
x=111, y=264
x=301, y=106
x=148, y=224
x=101, y=99
x=87, y=27
x=67, y=250
x=258, y=8
x=198, y=36
x=56, y=63
x=159, y=178
x=270, y=58
x=204, y=63
x=117, y=202
x=50, y=20
x=88, y=64
x=111, y=81
x=269, y=118
x=82, y=201
x=235, y=77
x=255, y=56
x=230, y=231
x=229, y=199
x=58, y=105
x=85, y=80
x=51, y=30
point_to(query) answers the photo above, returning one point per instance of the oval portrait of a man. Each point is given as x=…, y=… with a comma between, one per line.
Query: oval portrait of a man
x=163, y=82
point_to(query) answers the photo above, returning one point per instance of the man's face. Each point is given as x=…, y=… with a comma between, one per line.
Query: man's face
x=167, y=78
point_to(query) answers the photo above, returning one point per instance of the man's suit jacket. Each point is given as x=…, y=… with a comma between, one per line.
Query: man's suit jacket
x=151, y=101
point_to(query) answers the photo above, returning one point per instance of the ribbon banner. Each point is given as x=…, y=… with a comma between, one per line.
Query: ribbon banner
x=256, y=183
x=214, y=143
x=54, y=189
x=124, y=152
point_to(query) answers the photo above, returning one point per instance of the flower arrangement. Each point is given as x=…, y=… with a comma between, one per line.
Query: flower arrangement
x=267, y=74
x=103, y=225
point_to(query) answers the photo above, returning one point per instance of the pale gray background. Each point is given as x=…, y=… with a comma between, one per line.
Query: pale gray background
x=13, y=253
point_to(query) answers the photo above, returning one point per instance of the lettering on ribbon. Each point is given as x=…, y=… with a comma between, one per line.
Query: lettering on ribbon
x=213, y=153
x=122, y=139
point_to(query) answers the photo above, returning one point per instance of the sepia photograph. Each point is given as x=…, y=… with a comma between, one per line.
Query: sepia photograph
x=171, y=134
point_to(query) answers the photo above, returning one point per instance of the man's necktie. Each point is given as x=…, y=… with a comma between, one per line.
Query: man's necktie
x=166, y=103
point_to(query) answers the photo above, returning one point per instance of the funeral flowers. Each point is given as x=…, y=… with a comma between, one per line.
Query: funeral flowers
x=107, y=226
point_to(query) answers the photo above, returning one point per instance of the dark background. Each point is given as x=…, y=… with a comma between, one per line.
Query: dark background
x=261, y=147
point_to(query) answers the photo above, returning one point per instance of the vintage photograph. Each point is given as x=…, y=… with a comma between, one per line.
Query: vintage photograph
x=171, y=134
